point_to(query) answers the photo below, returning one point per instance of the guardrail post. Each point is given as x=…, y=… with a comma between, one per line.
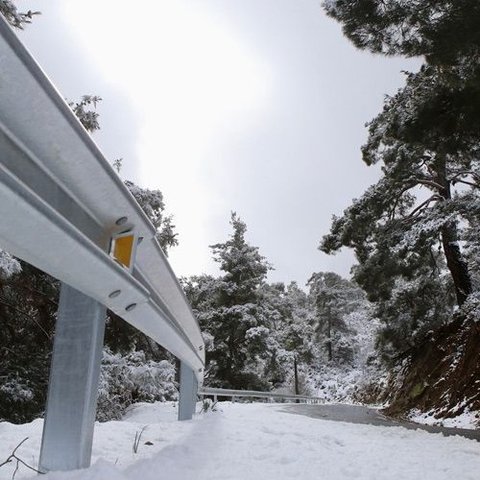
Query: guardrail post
x=188, y=392
x=74, y=374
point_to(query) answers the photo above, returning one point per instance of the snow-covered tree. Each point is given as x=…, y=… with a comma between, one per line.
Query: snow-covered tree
x=245, y=269
x=229, y=312
x=430, y=173
x=272, y=336
x=294, y=331
x=288, y=347
x=15, y=18
x=414, y=309
x=443, y=31
x=276, y=326
x=334, y=297
x=415, y=232
x=85, y=111
x=153, y=205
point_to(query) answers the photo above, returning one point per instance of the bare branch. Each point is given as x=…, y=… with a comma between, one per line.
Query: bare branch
x=475, y=175
x=397, y=199
x=13, y=455
x=429, y=183
x=466, y=183
x=424, y=204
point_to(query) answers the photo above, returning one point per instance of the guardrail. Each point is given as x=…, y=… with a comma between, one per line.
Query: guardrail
x=221, y=392
x=61, y=203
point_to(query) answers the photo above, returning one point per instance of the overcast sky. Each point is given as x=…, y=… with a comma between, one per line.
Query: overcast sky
x=253, y=106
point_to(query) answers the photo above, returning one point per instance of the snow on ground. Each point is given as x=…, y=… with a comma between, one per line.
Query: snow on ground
x=466, y=419
x=250, y=441
x=113, y=441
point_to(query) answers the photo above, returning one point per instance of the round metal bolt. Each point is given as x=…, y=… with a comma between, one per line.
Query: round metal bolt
x=115, y=293
x=121, y=221
x=130, y=307
x=200, y=370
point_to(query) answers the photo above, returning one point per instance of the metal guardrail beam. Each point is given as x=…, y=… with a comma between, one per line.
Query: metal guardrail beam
x=49, y=241
x=69, y=199
x=221, y=392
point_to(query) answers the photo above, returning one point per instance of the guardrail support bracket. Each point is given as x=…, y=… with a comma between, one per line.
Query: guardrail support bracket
x=72, y=393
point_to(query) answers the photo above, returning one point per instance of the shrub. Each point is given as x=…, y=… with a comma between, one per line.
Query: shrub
x=132, y=378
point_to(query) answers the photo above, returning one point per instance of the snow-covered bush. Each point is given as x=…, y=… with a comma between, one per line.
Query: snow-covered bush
x=132, y=378
x=8, y=265
x=16, y=398
x=23, y=386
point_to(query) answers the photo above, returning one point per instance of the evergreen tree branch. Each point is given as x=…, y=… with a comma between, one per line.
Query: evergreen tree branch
x=39, y=292
x=397, y=200
x=26, y=315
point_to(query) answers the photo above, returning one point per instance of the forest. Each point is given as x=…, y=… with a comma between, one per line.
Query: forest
x=403, y=331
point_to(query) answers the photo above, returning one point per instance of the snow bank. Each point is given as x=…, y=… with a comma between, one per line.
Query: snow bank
x=466, y=419
x=113, y=441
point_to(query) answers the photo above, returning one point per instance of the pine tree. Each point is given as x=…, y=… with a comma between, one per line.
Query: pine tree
x=425, y=144
x=230, y=315
x=427, y=141
x=294, y=333
x=287, y=323
x=153, y=205
x=443, y=31
x=334, y=297
x=415, y=232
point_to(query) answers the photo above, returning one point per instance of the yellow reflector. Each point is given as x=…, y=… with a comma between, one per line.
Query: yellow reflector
x=122, y=249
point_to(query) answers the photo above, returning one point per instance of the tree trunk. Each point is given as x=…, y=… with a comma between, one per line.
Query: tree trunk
x=329, y=341
x=455, y=263
x=295, y=368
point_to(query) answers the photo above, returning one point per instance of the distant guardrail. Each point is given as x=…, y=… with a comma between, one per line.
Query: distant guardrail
x=221, y=392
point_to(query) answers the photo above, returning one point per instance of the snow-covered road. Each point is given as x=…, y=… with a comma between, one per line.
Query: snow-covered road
x=359, y=414
x=260, y=441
